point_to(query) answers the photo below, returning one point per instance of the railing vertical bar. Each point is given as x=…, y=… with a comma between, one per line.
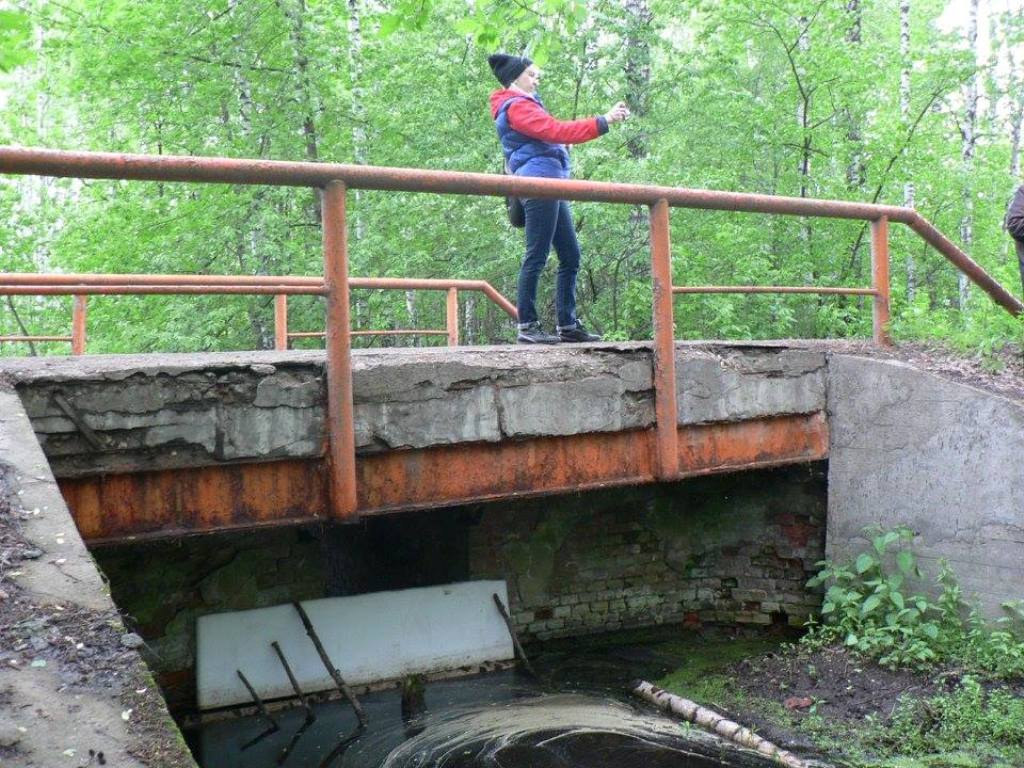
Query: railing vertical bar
x=880, y=279
x=665, y=407
x=281, y=322
x=340, y=410
x=452, y=317
x=78, y=313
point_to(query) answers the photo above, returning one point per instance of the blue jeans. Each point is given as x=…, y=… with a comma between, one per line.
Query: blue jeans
x=549, y=222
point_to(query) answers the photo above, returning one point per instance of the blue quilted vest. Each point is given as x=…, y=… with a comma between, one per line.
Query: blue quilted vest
x=526, y=156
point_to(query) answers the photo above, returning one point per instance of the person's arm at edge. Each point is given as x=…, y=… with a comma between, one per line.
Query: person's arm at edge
x=1015, y=215
x=528, y=118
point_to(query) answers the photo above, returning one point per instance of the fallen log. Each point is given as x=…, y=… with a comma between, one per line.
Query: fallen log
x=714, y=722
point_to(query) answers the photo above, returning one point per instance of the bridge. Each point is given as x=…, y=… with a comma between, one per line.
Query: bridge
x=348, y=434
x=146, y=450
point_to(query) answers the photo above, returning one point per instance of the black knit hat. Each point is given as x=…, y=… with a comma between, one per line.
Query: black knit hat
x=507, y=68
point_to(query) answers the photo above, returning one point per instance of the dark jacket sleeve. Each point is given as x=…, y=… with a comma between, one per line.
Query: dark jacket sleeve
x=1015, y=215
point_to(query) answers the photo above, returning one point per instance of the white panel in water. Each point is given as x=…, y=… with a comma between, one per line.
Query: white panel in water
x=370, y=637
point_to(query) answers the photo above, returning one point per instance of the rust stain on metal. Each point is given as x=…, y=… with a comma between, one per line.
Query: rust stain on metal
x=747, y=444
x=237, y=496
x=176, y=501
x=456, y=474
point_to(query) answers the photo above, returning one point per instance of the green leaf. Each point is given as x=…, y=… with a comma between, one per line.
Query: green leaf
x=851, y=639
x=905, y=561
x=897, y=599
x=870, y=604
x=931, y=630
x=864, y=563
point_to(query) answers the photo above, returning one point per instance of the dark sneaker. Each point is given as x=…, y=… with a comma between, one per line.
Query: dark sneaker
x=534, y=334
x=577, y=334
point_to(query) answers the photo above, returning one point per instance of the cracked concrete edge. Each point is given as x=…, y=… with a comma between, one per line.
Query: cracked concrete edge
x=65, y=575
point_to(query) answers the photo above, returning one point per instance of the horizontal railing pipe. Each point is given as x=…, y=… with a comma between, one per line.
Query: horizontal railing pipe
x=772, y=289
x=142, y=289
x=106, y=165
x=965, y=264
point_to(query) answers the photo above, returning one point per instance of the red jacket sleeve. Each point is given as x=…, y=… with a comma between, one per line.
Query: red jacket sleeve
x=528, y=118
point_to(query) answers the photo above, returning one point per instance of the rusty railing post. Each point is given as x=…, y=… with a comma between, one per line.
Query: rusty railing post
x=880, y=279
x=78, y=312
x=340, y=410
x=452, y=317
x=665, y=408
x=281, y=322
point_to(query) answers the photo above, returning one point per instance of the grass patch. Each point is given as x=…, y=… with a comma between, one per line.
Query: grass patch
x=704, y=674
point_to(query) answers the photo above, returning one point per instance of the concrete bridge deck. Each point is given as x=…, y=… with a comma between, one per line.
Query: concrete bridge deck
x=158, y=445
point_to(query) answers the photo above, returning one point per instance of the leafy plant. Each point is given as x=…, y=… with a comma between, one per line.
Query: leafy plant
x=868, y=608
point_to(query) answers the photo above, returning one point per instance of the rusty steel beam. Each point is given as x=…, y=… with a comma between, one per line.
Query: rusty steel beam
x=665, y=406
x=321, y=334
x=157, y=290
x=29, y=283
x=107, y=165
x=91, y=279
x=48, y=162
x=170, y=502
x=771, y=289
x=340, y=408
x=452, y=316
x=78, y=313
x=115, y=507
x=964, y=263
x=281, y=322
x=880, y=280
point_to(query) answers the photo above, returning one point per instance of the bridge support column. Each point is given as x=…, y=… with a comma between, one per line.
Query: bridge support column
x=880, y=279
x=665, y=407
x=340, y=410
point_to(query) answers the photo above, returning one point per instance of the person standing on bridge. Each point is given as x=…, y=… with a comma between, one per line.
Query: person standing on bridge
x=534, y=145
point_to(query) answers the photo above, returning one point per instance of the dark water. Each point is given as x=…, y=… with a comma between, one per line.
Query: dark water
x=578, y=717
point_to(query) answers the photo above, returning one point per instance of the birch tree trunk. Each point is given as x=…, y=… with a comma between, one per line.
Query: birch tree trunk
x=969, y=133
x=296, y=17
x=908, y=185
x=355, y=69
x=638, y=70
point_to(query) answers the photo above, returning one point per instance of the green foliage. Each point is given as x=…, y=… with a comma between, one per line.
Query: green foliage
x=869, y=609
x=15, y=30
x=985, y=721
x=753, y=97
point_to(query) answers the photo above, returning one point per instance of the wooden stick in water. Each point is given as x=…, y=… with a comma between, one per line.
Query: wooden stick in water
x=512, y=631
x=256, y=699
x=714, y=722
x=331, y=669
x=292, y=680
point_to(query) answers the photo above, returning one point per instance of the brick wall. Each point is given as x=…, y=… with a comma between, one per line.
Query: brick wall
x=728, y=549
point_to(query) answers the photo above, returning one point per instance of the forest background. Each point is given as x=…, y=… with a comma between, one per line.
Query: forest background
x=865, y=100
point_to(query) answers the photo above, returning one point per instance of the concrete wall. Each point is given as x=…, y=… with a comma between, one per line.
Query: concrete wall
x=71, y=680
x=911, y=448
x=166, y=411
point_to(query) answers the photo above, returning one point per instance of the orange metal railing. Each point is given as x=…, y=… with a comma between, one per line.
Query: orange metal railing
x=336, y=179
x=81, y=286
